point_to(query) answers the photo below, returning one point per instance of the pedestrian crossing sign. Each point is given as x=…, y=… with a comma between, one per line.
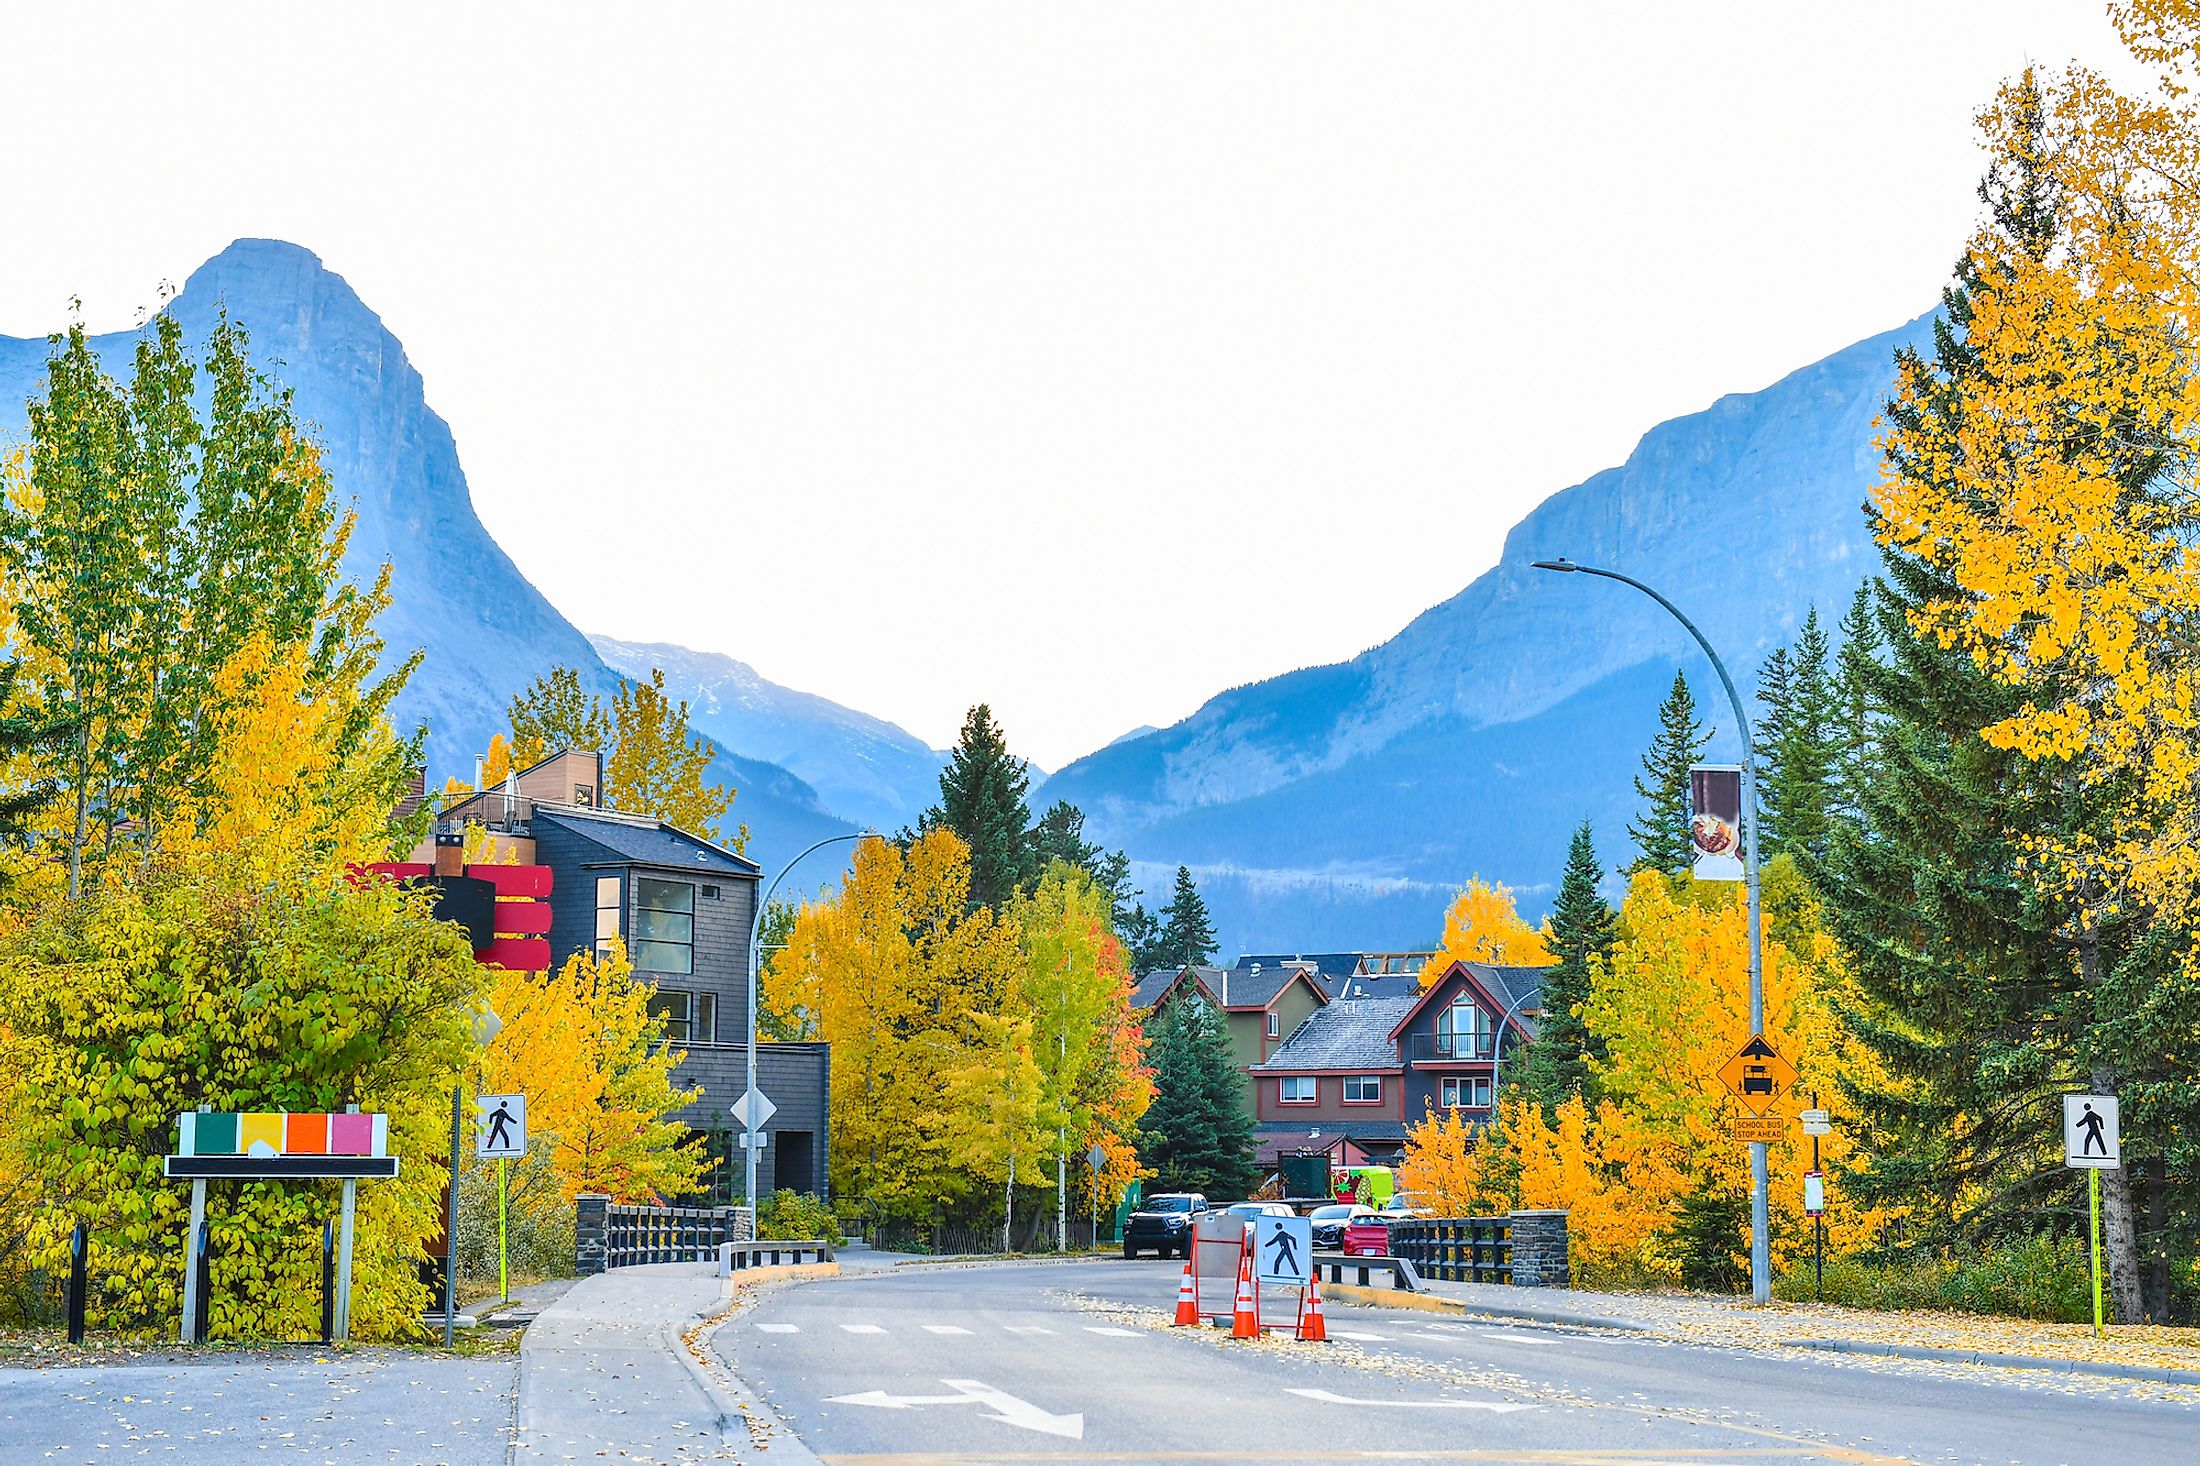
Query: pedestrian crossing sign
x=500, y=1128
x=2090, y=1141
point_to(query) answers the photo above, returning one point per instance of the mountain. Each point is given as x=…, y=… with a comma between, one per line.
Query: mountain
x=486, y=629
x=1338, y=807
x=862, y=767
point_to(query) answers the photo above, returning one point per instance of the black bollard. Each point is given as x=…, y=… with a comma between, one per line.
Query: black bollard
x=328, y=1282
x=79, y=1245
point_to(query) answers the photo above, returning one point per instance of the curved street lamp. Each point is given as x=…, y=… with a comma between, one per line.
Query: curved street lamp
x=1760, y=1254
x=756, y=931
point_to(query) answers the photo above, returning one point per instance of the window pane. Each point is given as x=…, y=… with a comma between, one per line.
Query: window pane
x=607, y=921
x=671, y=1005
x=663, y=926
x=673, y=957
x=607, y=891
x=664, y=895
x=704, y=1028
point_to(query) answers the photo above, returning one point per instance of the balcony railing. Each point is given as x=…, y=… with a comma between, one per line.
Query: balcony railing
x=1425, y=1047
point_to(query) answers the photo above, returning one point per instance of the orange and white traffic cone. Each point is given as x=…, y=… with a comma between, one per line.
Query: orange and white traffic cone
x=1245, y=1315
x=1312, y=1328
x=1187, y=1301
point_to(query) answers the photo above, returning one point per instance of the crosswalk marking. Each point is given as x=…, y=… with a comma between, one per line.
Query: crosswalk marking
x=943, y=1328
x=779, y=1328
x=1360, y=1338
x=1027, y=1328
x=862, y=1328
x=1112, y=1333
x=1517, y=1336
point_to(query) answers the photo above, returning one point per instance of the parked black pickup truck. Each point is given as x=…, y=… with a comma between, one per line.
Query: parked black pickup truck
x=1163, y=1223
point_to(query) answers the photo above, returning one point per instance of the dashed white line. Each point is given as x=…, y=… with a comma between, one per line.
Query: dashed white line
x=944, y=1328
x=1112, y=1333
x=779, y=1328
x=1360, y=1338
x=862, y=1328
x=1027, y=1328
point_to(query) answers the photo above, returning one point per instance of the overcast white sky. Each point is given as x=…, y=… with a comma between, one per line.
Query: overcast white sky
x=1084, y=359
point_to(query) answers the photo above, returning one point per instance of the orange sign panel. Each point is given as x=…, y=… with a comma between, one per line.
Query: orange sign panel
x=1757, y=1075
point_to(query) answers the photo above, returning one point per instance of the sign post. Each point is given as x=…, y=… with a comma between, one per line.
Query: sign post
x=500, y=1133
x=2091, y=1143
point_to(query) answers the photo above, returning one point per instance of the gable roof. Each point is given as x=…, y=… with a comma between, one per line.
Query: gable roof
x=1351, y=1033
x=1157, y=984
x=646, y=841
x=1518, y=990
x=1252, y=986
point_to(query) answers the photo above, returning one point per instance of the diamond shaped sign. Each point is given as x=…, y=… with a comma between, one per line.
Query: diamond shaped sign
x=752, y=1110
x=1757, y=1075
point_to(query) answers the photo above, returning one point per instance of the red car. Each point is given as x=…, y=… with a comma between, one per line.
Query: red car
x=1367, y=1236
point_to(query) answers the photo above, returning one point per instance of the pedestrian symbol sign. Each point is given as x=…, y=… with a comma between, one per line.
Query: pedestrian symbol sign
x=2090, y=1141
x=500, y=1129
x=1757, y=1075
x=1283, y=1250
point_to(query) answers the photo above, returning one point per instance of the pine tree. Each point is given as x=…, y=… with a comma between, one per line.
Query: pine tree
x=1144, y=938
x=1661, y=834
x=1797, y=746
x=982, y=800
x=1060, y=835
x=1196, y=1135
x=1776, y=698
x=1188, y=934
x=1555, y=1066
x=1855, y=714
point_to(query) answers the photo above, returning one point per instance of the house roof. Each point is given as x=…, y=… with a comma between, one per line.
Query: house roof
x=1391, y=985
x=1328, y=965
x=1351, y=1033
x=1256, y=984
x=1155, y=985
x=1517, y=990
x=645, y=841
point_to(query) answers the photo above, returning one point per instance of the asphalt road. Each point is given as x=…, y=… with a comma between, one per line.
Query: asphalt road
x=1069, y=1361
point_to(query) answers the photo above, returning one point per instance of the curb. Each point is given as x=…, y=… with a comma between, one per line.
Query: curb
x=2149, y=1372
x=735, y=1406
x=1358, y=1297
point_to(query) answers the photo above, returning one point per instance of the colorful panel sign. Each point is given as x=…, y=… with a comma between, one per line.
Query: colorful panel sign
x=276, y=1132
x=1715, y=830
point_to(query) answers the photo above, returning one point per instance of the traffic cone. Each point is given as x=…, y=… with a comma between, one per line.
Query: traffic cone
x=1245, y=1316
x=1312, y=1328
x=1187, y=1301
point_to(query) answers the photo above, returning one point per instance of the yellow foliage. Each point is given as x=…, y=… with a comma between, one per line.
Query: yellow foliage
x=1483, y=925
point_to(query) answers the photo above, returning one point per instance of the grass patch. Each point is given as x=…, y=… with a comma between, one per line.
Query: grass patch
x=2042, y=1278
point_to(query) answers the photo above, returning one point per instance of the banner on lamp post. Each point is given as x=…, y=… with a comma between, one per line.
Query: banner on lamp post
x=1715, y=821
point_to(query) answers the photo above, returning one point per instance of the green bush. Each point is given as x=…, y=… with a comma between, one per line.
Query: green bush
x=539, y=1225
x=789, y=1215
x=2040, y=1277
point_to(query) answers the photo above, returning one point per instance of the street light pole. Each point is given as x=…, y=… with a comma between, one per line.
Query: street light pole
x=756, y=932
x=1760, y=1250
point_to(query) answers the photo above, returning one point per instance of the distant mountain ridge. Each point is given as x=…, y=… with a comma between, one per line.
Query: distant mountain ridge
x=486, y=629
x=1339, y=805
x=862, y=767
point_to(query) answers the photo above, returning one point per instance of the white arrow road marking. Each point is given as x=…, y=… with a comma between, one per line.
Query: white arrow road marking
x=778, y=1328
x=1330, y=1397
x=1000, y=1405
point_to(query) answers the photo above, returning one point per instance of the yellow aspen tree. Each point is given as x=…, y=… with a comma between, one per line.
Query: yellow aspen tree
x=1483, y=925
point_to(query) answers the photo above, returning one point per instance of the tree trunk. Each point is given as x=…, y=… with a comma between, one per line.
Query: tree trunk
x=2119, y=1226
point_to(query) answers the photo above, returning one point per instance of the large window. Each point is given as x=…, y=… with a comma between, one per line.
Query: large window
x=607, y=915
x=664, y=926
x=1466, y=1092
x=690, y=1018
x=1296, y=1090
x=1363, y=1089
x=1463, y=1030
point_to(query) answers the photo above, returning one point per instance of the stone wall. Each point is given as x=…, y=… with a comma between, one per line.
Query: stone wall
x=1539, y=1250
x=591, y=1228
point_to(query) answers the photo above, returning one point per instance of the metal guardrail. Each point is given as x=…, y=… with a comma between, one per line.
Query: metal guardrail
x=734, y=1257
x=1456, y=1249
x=1333, y=1266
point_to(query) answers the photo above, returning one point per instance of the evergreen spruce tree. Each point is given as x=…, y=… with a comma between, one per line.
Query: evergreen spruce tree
x=1143, y=939
x=982, y=800
x=1986, y=989
x=1060, y=835
x=1188, y=934
x=1855, y=718
x=1556, y=1064
x=1196, y=1135
x=1775, y=699
x=1798, y=747
x=1661, y=834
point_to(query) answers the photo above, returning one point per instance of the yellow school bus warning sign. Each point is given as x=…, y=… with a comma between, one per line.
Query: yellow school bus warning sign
x=1757, y=1075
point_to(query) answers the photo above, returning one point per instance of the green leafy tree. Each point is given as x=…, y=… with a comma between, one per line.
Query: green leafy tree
x=1661, y=834
x=1197, y=1135
x=554, y=713
x=656, y=766
x=1583, y=928
x=1187, y=932
x=982, y=793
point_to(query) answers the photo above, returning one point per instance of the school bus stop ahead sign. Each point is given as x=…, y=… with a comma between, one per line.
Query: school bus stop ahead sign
x=1757, y=1075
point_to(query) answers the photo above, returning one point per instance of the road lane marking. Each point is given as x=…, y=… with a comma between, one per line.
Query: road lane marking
x=779, y=1328
x=944, y=1328
x=1000, y=1405
x=1027, y=1328
x=862, y=1328
x=1112, y=1333
x=1331, y=1397
x=1359, y=1338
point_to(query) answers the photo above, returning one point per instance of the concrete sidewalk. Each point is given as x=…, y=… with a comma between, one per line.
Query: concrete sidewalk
x=608, y=1372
